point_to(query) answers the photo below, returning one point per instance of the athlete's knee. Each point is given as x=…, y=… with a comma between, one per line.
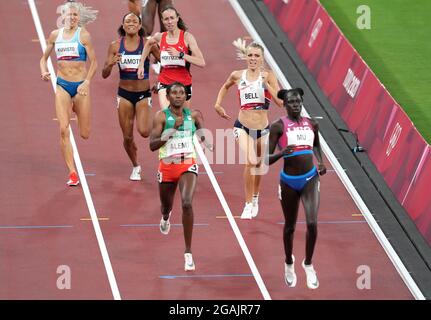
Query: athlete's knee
x=254, y=160
x=64, y=132
x=144, y=132
x=250, y=166
x=187, y=205
x=84, y=133
x=289, y=230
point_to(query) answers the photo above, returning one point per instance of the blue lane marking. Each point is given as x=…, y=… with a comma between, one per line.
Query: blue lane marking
x=332, y=222
x=33, y=227
x=215, y=172
x=207, y=276
x=157, y=224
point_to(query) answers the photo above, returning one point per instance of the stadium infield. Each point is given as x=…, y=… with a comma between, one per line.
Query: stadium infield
x=396, y=47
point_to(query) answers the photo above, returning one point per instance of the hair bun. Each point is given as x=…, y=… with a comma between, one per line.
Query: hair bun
x=281, y=94
x=300, y=91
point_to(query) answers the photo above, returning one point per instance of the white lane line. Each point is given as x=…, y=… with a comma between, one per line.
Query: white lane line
x=393, y=256
x=85, y=189
x=232, y=222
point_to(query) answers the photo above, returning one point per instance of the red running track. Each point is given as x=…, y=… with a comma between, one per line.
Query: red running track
x=146, y=264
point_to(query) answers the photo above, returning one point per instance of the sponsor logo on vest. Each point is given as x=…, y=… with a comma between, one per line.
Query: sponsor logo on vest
x=298, y=128
x=351, y=83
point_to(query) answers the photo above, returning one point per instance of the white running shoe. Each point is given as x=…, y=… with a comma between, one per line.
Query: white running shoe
x=246, y=212
x=255, y=209
x=312, y=281
x=136, y=174
x=189, y=264
x=165, y=225
x=289, y=273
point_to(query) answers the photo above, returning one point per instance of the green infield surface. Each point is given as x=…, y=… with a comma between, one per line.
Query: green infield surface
x=397, y=48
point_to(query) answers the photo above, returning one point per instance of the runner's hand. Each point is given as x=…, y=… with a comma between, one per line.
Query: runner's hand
x=150, y=41
x=221, y=112
x=321, y=169
x=84, y=88
x=288, y=150
x=173, y=52
x=46, y=76
x=167, y=134
x=141, y=72
x=115, y=59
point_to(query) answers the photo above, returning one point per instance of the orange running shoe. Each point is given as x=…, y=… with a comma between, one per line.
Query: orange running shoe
x=73, y=180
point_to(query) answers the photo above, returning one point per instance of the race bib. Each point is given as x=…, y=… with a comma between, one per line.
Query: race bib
x=252, y=94
x=180, y=144
x=167, y=60
x=300, y=137
x=130, y=62
x=66, y=50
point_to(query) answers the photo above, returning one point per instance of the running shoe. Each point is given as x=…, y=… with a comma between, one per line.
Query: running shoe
x=312, y=281
x=255, y=208
x=189, y=264
x=165, y=225
x=73, y=180
x=246, y=212
x=289, y=273
x=136, y=173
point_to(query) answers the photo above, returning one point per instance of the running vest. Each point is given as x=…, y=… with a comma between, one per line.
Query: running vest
x=252, y=94
x=181, y=144
x=70, y=50
x=174, y=68
x=129, y=62
x=301, y=134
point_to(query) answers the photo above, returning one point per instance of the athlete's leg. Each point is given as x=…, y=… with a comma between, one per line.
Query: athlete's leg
x=148, y=12
x=167, y=193
x=63, y=108
x=310, y=199
x=163, y=99
x=289, y=200
x=187, y=184
x=82, y=108
x=143, y=117
x=247, y=148
x=126, y=116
